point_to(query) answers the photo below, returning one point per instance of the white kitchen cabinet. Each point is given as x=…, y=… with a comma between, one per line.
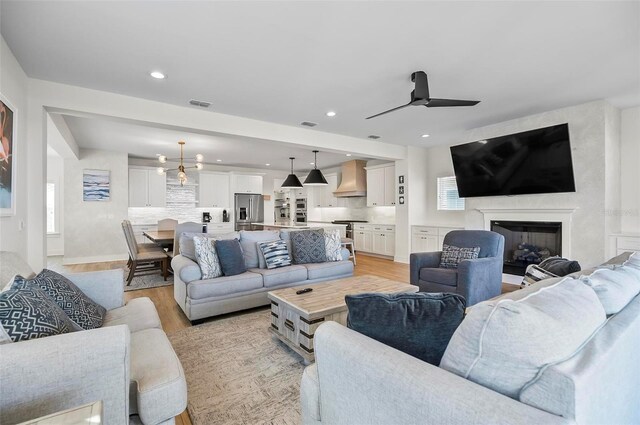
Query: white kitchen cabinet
x=139, y=229
x=362, y=240
x=219, y=228
x=330, y=199
x=147, y=188
x=429, y=238
x=390, y=186
x=243, y=183
x=381, y=186
x=213, y=190
x=375, y=238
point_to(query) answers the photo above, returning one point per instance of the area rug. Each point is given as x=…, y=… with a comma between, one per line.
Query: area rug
x=144, y=282
x=237, y=373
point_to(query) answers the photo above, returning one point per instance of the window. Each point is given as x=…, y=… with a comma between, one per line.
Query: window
x=448, y=198
x=52, y=208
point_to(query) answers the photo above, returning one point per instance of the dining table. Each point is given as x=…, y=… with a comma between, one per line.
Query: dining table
x=161, y=237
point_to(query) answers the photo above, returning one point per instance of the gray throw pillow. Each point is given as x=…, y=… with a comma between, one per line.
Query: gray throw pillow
x=249, y=240
x=230, y=256
x=452, y=255
x=30, y=313
x=308, y=246
x=419, y=324
x=275, y=254
x=85, y=312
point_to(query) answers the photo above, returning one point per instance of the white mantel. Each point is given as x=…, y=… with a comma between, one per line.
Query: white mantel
x=559, y=215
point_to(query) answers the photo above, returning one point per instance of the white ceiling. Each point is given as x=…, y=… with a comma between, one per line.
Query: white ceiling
x=288, y=61
x=144, y=141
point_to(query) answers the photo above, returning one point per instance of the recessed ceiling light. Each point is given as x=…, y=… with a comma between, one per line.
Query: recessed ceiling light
x=425, y=136
x=218, y=160
x=312, y=163
x=348, y=154
x=267, y=165
x=331, y=114
x=158, y=75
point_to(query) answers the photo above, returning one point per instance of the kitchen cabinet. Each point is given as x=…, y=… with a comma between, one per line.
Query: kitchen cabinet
x=139, y=229
x=429, y=238
x=147, y=188
x=362, y=240
x=375, y=238
x=219, y=228
x=323, y=197
x=213, y=190
x=243, y=183
x=381, y=186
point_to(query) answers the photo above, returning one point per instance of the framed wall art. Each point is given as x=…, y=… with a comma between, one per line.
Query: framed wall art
x=96, y=185
x=8, y=161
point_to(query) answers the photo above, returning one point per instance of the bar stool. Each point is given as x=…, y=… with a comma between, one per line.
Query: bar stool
x=348, y=244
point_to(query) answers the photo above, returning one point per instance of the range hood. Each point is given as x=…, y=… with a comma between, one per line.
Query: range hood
x=354, y=180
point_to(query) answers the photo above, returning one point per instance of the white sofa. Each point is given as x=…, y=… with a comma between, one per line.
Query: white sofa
x=128, y=363
x=357, y=380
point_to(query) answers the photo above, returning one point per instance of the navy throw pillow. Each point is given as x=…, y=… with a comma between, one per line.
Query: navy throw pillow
x=230, y=256
x=418, y=324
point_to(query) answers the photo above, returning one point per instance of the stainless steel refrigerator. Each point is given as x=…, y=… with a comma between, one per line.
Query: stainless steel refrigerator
x=249, y=210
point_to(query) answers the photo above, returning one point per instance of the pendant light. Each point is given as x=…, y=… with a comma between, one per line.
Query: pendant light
x=315, y=177
x=292, y=181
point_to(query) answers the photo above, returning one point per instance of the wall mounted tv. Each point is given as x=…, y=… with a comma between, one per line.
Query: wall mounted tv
x=535, y=161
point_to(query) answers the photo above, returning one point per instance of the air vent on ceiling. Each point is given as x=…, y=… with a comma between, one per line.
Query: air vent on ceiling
x=373, y=136
x=200, y=103
x=308, y=123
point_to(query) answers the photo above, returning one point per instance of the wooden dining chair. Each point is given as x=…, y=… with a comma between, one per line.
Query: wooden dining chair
x=167, y=224
x=143, y=261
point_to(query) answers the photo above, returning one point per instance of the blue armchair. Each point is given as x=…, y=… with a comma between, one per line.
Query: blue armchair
x=476, y=280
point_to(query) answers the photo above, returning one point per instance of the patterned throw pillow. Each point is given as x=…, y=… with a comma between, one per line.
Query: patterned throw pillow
x=452, y=255
x=30, y=313
x=535, y=273
x=207, y=257
x=275, y=254
x=308, y=246
x=332, y=244
x=85, y=312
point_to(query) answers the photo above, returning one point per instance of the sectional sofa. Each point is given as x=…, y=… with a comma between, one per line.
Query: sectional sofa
x=201, y=298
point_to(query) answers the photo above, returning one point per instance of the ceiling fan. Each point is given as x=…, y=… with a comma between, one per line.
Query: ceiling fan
x=420, y=96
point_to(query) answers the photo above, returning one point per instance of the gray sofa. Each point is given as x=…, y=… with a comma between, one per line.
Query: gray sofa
x=128, y=363
x=200, y=298
x=357, y=380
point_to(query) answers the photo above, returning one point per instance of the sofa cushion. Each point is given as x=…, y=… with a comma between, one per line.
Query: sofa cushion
x=615, y=287
x=308, y=246
x=11, y=265
x=206, y=257
x=187, y=248
x=139, y=314
x=158, y=390
x=504, y=344
x=420, y=325
x=274, y=254
x=85, y=312
x=282, y=275
x=248, y=241
x=447, y=277
x=30, y=313
x=328, y=270
x=230, y=256
x=225, y=285
x=452, y=255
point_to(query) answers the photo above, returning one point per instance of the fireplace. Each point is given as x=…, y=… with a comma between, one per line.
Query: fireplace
x=528, y=242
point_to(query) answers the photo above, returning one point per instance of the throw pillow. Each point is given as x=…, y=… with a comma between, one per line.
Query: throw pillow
x=505, y=344
x=333, y=244
x=187, y=248
x=615, y=287
x=275, y=254
x=535, y=273
x=85, y=312
x=418, y=324
x=230, y=256
x=308, y=246
x=452, y=255
x=30, y=313
x=206, y=257
x=560, y=266
x=249, y=240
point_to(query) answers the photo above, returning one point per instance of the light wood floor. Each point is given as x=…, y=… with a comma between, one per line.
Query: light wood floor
x=173, y=319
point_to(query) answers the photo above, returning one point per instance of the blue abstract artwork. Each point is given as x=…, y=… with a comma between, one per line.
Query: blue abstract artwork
x=95, y=185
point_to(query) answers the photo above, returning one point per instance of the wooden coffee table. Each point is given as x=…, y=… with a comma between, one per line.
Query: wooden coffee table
x=295, y=318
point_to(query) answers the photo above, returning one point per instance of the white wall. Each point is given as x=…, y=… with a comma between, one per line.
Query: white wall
x=55, y=174
x=630, y=170
x=93, y=230
x=14, y=87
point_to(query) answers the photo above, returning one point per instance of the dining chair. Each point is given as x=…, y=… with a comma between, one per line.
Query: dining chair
x=167, y=224
x=143, y=261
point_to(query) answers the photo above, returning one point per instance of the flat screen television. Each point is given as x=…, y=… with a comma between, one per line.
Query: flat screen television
x=535, y=161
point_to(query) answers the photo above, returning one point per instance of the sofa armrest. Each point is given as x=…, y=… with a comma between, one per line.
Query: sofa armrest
x=310, y=396
x=364, y=381
x=106, y=287
x=185, y=269
x=480, y=279
x=422, y=260
x=46, y=375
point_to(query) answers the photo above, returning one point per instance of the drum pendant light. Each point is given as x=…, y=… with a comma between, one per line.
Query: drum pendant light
x=292, y=181
x=315, y=177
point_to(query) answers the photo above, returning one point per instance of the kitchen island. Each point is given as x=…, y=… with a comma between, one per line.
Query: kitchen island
x=300, y=226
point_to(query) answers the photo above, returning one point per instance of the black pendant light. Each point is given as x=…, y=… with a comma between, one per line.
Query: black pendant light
x=315, y=177
x=292, y=181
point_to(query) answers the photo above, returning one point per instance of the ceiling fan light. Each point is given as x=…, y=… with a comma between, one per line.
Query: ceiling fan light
x=315, y=178
x=291, y=182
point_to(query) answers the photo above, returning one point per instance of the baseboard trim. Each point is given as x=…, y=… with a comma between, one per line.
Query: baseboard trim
x=55, y=253
x=404, y=260
x=93, y=259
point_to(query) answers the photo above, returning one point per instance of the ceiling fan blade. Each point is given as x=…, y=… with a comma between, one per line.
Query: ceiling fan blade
x=440, y=103
x=390, y=110
x=421, y=90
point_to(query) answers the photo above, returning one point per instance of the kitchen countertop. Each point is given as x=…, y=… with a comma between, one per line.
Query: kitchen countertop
x=299, y=226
